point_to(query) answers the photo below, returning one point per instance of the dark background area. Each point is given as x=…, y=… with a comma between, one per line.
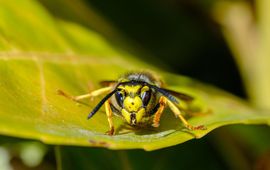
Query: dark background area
x=179, y=34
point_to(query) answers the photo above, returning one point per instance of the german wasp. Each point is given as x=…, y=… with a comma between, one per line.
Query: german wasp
x=139, y=98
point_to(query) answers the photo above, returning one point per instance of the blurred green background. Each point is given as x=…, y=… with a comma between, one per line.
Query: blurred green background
x=224, y=43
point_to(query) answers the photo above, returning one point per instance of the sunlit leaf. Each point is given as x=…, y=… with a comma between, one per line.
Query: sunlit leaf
x=41, y=54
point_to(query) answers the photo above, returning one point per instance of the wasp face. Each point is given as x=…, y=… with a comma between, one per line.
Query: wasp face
x=133, y=100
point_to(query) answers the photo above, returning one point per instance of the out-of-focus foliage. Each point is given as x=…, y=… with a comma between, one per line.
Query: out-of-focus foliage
x=17, y=153
x=247, y=33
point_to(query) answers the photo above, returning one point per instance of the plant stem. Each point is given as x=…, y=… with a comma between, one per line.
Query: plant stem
x=249, y=43
x=58, y=157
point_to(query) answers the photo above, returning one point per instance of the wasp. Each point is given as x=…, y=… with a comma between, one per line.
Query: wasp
x=137, y=97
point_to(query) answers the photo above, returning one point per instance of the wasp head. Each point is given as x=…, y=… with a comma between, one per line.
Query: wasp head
x=133, y=100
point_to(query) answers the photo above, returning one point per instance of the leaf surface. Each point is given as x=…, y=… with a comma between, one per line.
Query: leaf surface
x=41, y=54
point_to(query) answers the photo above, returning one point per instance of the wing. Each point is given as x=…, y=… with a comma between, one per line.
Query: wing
x=180, y=95
x=107, y=83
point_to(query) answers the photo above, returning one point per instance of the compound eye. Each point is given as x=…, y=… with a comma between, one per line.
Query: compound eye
x=119, y=98
x=146, y=97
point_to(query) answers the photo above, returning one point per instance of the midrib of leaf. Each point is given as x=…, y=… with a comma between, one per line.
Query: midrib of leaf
x=42, y=88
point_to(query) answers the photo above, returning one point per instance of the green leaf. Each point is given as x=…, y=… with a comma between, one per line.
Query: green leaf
x=41, y=54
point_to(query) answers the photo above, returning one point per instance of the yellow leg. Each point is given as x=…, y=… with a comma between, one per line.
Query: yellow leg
x=85, y=96
x=162, y=102
x=109, y=116
x=177, y=112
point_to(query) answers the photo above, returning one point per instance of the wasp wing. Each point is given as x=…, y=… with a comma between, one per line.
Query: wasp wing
x=107, y=83
x=180, y=95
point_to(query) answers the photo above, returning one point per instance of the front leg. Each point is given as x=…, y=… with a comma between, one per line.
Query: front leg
x=177, y=112
x=162, y=104
x=109, y=116
x=85, y=96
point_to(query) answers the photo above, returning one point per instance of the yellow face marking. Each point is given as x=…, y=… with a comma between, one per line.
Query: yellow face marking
x=139, y=115
x=121, y=87
x=144, y=89
x=132, y=104
x=132, y=89
x=126, y=115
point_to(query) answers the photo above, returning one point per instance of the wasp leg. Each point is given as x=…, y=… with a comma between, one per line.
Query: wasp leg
x=85, y=96
x=109, y=116
x=162, y=104
x=177, y=112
